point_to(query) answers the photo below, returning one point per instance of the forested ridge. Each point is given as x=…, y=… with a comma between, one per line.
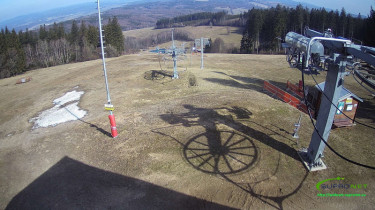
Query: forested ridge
x=202, y=18
x=265, y=29
x=263, y=32
x=55, y=45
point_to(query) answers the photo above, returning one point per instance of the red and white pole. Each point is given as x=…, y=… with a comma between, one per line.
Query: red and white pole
x=113, y=125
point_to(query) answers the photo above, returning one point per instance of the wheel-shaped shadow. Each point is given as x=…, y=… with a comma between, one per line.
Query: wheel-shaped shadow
x=227, y=153
x=220, y=152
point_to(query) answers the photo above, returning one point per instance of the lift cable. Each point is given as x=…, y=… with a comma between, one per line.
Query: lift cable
x=362, y=84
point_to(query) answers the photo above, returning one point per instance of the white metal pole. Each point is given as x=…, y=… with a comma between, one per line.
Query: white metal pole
x=103, y=55
x=108, y=106
x=174, y=56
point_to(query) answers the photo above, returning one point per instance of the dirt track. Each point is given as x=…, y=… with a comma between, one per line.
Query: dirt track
x=209, y=140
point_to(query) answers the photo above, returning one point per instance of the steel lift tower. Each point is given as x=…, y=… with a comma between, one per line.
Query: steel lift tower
x=202, y=42
x=310, y=50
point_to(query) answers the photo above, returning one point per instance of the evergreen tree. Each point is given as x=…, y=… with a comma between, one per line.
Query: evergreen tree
x=359, y=28
x=13, y=56
x=93, y=36
x=370, y=29
x=82, y=34
x=322, y=23
x=43, y=34
x=61, y=31
x=114, y=36
x=3, y=70
x=2, y=41
x=74, y=40
x=83, y=29
x=342, y=23
x=254, y=27
x=246, y=43
x=74, y=33
x=53, y=32
x=280, y=26
x=350, y=27
x=264, y=28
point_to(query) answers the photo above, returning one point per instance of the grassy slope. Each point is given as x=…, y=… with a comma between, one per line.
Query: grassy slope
x=233, y=38
x=157, y=118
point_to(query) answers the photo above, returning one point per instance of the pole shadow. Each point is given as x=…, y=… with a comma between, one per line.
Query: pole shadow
x=101, y=130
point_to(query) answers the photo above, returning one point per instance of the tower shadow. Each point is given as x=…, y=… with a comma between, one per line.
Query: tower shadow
x=220, y=152
x=226, y=153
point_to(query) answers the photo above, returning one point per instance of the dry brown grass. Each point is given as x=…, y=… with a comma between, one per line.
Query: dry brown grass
x=233, y=38
x=159, y=119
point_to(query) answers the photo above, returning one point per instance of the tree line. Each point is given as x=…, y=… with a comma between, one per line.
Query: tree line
x=135, y=44
x=55, y=45
x=265, y=28
x=201, y=18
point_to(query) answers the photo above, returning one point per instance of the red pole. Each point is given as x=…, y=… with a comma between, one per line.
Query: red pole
x=300, y=86
x=113, y=125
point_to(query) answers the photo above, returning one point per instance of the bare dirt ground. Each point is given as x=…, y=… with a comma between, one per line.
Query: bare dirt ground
x=212, y=139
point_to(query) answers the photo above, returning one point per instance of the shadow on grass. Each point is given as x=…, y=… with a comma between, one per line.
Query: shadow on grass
x=220, y=152
x=157, y=74
x=243, y=82
x=366, y=110
x=228, y=152
x=101, y=130
x=70, y=184
x=238, y=31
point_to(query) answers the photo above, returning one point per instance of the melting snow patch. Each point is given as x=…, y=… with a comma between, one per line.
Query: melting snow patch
x=68, y=97
x=65, y=109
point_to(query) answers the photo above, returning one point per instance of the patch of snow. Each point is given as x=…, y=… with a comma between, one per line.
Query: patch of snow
x=57, y=115
x=70, y=96
x=60, y=113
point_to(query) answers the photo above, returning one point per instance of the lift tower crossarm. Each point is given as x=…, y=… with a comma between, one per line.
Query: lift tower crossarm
x=337, y=44
x=364, y=53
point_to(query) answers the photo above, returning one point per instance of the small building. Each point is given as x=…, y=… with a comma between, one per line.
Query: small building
x=348, y=104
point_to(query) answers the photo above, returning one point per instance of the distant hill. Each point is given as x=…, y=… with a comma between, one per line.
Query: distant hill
x=34, y=20
x=146, y=14
x=139, y=13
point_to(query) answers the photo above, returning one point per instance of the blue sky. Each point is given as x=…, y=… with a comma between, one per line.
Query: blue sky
x=351, y=6
x=13, y=8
